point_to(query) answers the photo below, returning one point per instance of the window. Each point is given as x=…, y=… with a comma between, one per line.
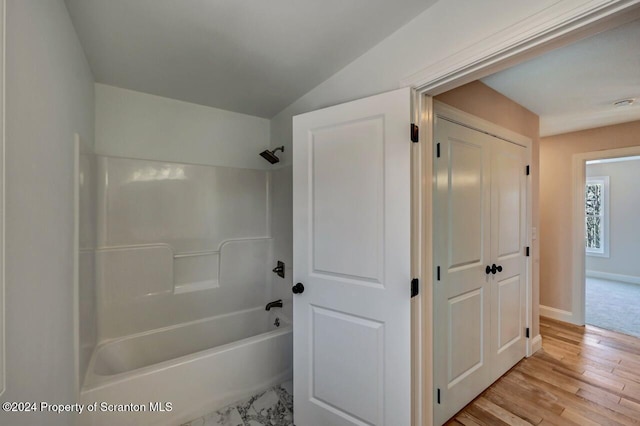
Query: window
x=596, y=215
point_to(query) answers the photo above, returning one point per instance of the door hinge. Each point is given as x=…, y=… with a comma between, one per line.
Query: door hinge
x=415, y=133
x=438, y=273
x=528, y=170
x=438, y=150
x=526, y=251
x=527, y=332
x=438, y=395
x=415, y=287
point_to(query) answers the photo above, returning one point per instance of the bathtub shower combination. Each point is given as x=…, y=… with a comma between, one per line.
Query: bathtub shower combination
x=192, y=307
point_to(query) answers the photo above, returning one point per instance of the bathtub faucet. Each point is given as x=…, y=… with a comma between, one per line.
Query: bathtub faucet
x=274, y=304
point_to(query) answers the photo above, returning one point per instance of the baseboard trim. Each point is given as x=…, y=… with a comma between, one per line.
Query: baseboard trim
x=556, y=314
x=536, y=344
x=614, y=277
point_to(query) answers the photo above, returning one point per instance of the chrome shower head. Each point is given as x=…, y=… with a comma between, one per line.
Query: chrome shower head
x=271, y=156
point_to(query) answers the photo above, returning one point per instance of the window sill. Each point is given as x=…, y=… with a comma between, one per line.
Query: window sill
x=596, y=254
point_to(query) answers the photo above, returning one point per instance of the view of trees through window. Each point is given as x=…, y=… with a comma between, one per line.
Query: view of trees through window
x=594, y=215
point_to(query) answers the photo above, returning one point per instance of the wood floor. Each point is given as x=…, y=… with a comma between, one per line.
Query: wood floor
x=581, y=376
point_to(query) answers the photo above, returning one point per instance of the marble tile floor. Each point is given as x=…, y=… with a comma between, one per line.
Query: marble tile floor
x=273, y=407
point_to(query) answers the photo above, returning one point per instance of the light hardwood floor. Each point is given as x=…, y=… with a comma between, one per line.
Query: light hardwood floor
x=581, y=376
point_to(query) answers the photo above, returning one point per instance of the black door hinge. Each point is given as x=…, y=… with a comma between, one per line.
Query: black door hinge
x=415, y=287
x=438, y=273
x=528, y=170
x=527, y=332
x=526, y=251
x=438, y=150
x=438, y=395
x=415, y=133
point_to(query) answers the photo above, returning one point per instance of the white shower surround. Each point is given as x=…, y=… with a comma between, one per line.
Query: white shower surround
x=183, y=259
x=179, y=242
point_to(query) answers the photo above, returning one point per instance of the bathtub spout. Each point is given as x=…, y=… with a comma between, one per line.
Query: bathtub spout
x=274, y=304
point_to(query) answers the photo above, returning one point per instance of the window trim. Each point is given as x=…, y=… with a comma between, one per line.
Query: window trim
x=604, y=181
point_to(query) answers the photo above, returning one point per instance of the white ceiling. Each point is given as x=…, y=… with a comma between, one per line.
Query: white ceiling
x=574, y=87
x=249, y=56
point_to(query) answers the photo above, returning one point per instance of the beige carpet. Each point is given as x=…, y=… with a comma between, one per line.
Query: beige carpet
x=613, y=305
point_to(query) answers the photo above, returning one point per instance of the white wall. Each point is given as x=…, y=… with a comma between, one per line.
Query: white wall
x=137, y=125
x=624, y=203
x=49, y=97
x=445, y=28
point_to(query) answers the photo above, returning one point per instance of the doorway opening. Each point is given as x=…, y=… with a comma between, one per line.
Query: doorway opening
x=564, y=114
x=612, y=240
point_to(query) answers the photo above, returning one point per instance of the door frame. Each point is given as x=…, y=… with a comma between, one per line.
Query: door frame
x=579, y=177
x=560, y=24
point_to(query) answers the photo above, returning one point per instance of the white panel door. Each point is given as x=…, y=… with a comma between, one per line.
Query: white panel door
x=351, y=206
x=462, y=251
x=480, y=289
x=508, y=240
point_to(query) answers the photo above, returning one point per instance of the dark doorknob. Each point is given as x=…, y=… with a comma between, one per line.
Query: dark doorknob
x=493, y=269
x=298, y=288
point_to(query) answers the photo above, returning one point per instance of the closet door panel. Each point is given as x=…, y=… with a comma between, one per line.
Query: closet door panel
x=508, y=239
x=462, y=292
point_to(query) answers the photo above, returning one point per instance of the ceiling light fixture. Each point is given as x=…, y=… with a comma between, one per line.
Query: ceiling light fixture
x=624, y=102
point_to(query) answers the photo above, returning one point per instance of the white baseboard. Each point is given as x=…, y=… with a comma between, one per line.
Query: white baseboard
x=614, y=277
x=536, y=344
x=556, y=314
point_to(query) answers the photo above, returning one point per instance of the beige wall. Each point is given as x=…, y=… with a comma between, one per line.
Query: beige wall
x=556, y=154
x=480, y=100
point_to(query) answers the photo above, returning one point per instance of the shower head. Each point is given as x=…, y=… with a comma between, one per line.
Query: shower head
x=271, y=156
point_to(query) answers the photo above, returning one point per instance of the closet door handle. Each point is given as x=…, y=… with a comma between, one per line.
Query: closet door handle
x=493, y=269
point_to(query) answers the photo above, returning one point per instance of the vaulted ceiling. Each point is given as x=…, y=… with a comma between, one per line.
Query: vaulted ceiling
x=249, y=56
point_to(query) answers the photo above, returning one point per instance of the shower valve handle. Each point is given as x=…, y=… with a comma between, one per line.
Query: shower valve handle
x=298, y=288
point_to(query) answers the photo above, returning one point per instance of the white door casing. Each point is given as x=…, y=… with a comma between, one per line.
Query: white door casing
x=352, y=210
x=480, y=204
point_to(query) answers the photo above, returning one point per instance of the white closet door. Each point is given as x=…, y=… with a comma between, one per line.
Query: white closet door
x=508, y=240
x=462, y=249
x=479, y=231
x=352, y=218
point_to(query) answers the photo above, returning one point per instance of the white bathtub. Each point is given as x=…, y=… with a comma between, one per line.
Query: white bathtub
x=197, y=367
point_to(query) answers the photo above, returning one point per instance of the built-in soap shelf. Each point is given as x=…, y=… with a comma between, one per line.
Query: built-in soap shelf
x=196, y=271
x=129, y=272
